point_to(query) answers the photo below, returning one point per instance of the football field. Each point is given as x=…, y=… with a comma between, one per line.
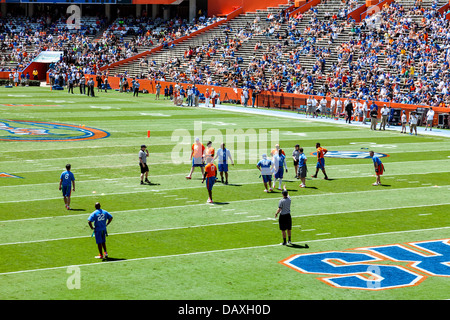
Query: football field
x=166, y=243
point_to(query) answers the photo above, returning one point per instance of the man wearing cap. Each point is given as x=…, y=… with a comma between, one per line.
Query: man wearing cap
x=143, y=154
x=384, y=117
x=285, y=220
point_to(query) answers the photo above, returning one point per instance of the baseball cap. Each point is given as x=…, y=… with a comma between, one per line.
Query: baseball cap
x=143, y=146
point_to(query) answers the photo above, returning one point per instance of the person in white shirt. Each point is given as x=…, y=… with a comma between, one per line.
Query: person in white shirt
x=413, y=122
x=384, y=117
x=223, y=154
x=430, y=117
x=309, y=109
x=333, y=106
x=314, y=107
x=338, y=108
x=322, y=107
x=403, y=121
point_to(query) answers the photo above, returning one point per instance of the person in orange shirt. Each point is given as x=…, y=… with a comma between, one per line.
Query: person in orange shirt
x=198, y=150
x=321, y=152
x=210, y=175
x=209, y=151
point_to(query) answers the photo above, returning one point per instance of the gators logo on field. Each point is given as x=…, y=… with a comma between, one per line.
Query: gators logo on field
x=23, y=130
x=377, y=268
x=351, y=154
x=8, y=175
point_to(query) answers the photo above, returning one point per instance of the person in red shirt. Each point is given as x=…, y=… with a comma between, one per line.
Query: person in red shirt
x=210, y=175
x=321, y=152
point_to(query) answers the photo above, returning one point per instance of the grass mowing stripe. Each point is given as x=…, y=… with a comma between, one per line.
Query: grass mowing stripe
x=218, y=251
x=231, y=222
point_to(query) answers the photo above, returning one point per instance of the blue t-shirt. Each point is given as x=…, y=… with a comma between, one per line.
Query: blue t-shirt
x=67, y=177
x=301, y=160
x=99, y=217
x=281, y=161
x=376, y=160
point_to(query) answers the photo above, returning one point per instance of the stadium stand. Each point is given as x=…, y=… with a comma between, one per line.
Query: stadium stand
x=399, y=54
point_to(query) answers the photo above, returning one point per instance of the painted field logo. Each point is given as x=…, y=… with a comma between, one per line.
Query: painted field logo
x=22, y=130
x=375, y=268
x=351, y=154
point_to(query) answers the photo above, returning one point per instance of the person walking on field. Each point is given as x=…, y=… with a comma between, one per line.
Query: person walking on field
x=321, y=152
x=101, y=219
x=66, y=182
x=223, y=154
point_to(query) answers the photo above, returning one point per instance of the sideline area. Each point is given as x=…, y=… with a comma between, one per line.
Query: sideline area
x=299, y=116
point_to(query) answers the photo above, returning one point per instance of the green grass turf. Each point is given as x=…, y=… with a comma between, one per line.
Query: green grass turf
x=165, y=242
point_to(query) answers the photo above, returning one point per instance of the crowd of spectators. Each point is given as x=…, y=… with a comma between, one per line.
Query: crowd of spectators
x=399, y=54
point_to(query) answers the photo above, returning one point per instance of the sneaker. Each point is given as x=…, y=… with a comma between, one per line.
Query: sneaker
x=302, y=186
x=313, y=176
x=265, y=190
x=188, y=177
x=279, y=189
x=99, y=257
x=283, y=243
x=326, y=178
x=270, y=189
x=142, y=182
x=146, y=181
x=290, y=243
x=105, y=256
x=68, y=208
x=375, y=184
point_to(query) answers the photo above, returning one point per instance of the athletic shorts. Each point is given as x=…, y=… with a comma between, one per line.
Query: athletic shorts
x=285, y=222
x=198, y=162
x=380, y=170
x=66, y=191
x=296, y=162
x=210, y=182
x=279, y=174
x=267, y=178
x=320, y=163
x=100, y=236
x=302, y=172
x=144, y=167
x=223, y=167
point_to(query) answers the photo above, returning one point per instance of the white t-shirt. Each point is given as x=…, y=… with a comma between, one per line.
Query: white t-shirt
x=221, y=157
x=430, y=114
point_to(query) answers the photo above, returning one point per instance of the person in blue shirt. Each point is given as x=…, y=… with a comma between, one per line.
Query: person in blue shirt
x=379, y=168
x=101, y=219
x=67, y=185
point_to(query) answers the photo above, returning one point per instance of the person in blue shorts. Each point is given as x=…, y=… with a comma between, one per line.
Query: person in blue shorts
x=279, y=161
x=101, y=219
x=265, y=166
x=67, y=185
x=223, y=154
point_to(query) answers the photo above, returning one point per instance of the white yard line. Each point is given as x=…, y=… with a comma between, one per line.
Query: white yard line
x=206, y=225
x=218, y=251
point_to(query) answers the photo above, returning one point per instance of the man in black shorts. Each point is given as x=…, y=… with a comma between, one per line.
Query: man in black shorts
x=285, y=220
x=143, y=154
